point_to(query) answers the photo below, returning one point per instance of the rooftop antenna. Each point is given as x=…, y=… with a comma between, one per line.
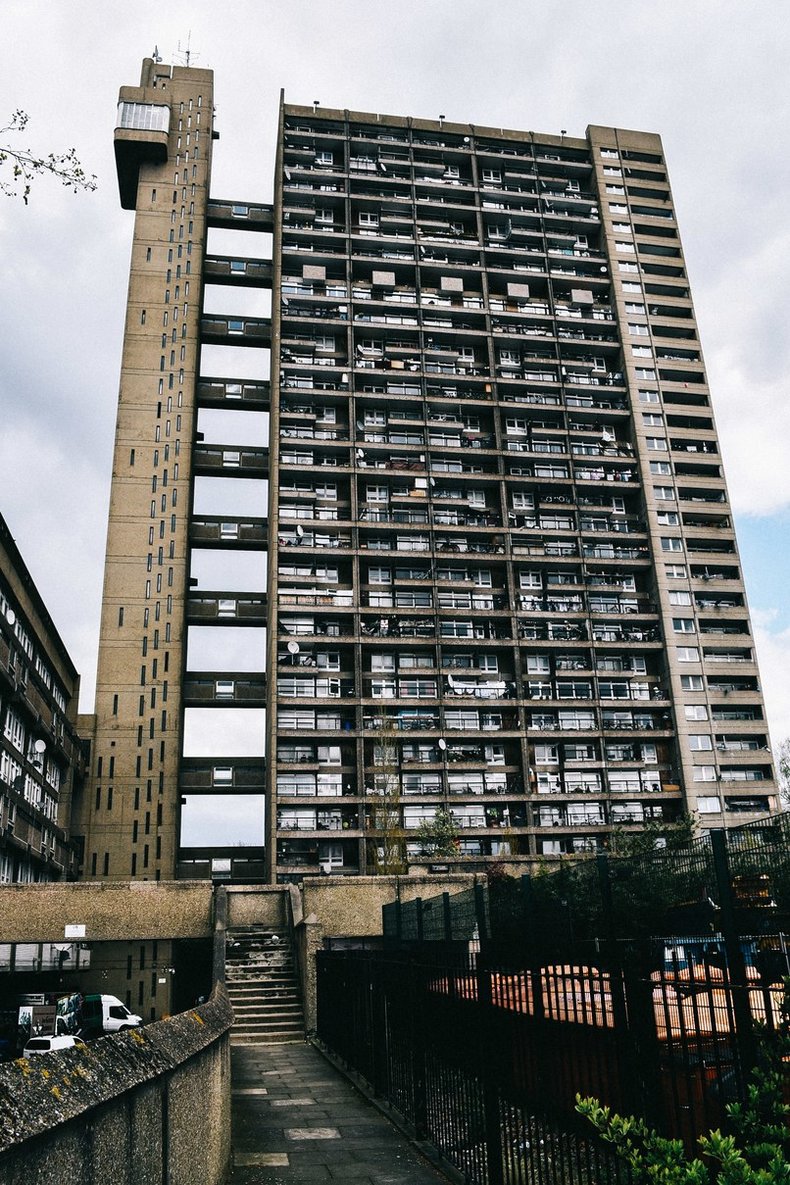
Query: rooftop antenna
x=156, y=55
x=187, y=54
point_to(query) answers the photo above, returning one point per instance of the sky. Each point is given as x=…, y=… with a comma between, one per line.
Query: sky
x=709, y=75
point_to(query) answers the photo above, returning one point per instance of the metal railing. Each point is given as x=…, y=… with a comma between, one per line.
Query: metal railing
x=649, y=982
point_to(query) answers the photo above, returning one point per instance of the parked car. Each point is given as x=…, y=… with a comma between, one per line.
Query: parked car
x=38, y=1045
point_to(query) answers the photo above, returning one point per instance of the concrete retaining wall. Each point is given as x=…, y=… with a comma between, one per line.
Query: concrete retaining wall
x=351, y=906
x=256, y=905
x=132, y=910
x=141, y=1107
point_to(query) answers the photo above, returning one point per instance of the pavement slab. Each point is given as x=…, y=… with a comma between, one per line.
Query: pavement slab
x=311, y=1125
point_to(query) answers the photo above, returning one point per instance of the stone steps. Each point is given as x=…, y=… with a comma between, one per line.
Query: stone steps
x=261, y=981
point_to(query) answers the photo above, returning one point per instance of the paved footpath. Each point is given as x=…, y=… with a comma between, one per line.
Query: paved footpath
x=296, y=1120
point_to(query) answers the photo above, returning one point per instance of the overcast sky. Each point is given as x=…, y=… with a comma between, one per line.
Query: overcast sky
x=711, y=77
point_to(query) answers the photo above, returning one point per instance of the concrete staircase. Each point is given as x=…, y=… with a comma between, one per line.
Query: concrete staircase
x=260, y=976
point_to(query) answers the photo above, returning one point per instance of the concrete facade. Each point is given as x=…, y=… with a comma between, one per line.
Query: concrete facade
x=42, y=763
x=502, y=577
x=163, y=148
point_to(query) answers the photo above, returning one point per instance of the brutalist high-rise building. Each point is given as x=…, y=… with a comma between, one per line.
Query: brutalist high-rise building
x=473, y=518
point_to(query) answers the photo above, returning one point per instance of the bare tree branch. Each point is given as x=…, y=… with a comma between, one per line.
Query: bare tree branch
x=783, y=772
x=25, y=166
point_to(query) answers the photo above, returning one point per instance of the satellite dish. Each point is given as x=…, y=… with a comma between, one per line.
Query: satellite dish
x=360, y=453
x=466, y=139
x=344, y=378
x=450, y=681
x=40, y=746
x=293, y=647
x=10, y=616
x=442, y=743
x=299, y=530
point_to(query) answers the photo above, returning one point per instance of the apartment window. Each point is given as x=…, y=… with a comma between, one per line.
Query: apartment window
x=646, y=396
x=670, y=543
x=687, y=653
x=664, y=493
x=692, y=683
x=679, y=598
x=657, y=443
x=675, y=571
x=704, y=773
x=683, y=625
x=695, y=712
x=661, y=468
x=700, y=742
x=708, y=804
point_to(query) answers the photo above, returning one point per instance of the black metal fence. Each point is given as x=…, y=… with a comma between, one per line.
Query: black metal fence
x=647, y=983
x=428, y=1033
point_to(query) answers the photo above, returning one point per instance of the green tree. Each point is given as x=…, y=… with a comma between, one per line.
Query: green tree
x=655, y=834
x=25, y=165
x=440, y=834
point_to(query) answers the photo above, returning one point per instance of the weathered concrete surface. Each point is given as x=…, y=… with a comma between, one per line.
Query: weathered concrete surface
x=120, y=1110
x=296, y=1120
x=333, y=906
x=256, y=905
x=134, y=910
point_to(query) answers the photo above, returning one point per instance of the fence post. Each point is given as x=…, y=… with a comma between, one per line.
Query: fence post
x=448, y=917
x=626, y=1033
x=379, y=1044
x=398, y=921
x=416, y=972
x=487, y=1043
x=735, y=960
x=418, y=917
x=480, y=913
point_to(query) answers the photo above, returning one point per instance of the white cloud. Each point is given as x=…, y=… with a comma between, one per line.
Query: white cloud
x=713, y=84
x=773, y=651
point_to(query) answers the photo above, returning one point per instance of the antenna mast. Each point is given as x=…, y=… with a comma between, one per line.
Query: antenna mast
x=186, y=55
